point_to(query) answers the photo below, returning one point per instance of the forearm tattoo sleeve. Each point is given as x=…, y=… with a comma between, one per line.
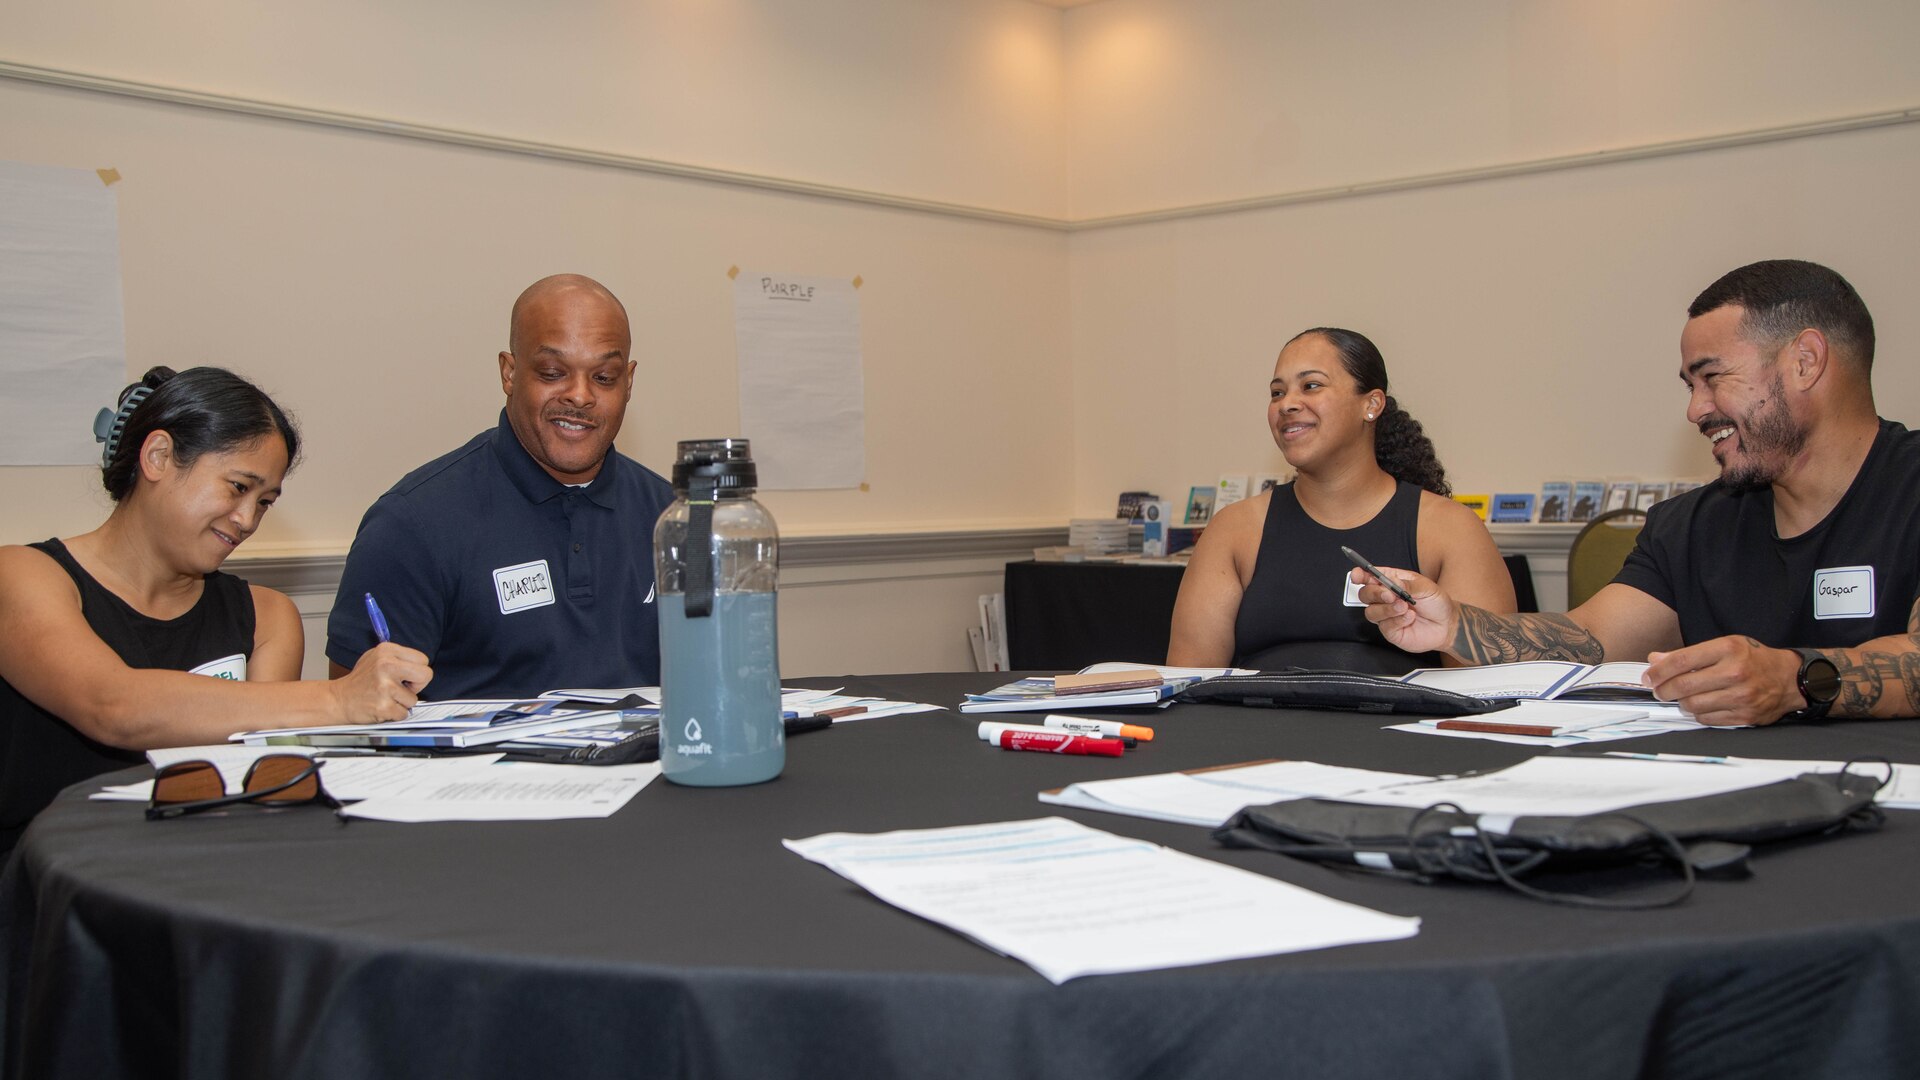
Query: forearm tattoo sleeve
x=1486, y=638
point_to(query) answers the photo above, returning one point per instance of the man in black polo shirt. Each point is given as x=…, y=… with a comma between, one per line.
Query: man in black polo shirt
x=1790, y=586
x=523, y=561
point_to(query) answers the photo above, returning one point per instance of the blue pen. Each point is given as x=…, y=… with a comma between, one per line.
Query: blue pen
x=379, y=621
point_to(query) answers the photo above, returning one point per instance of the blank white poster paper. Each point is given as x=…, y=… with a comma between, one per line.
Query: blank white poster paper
x=62, y=347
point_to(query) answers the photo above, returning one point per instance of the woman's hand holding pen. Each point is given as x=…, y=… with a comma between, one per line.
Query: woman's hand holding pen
x=383, y=685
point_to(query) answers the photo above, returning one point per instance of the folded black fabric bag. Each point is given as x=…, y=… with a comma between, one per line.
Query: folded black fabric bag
x=1350, y=691
x=1711, y=834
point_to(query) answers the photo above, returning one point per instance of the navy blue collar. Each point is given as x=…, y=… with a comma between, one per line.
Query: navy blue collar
x=537, y=484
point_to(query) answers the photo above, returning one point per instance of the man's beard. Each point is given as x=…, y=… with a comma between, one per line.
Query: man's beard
x=1769, y=438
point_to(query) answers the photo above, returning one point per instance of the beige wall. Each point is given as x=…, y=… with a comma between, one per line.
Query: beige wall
x=1531, y=322
x=959, y=100
x=1178, y=102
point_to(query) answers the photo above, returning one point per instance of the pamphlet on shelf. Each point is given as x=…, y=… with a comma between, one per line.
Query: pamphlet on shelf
x=1233, y=489
x=1556, y=500
x=1587, y=498
x=1199, y=505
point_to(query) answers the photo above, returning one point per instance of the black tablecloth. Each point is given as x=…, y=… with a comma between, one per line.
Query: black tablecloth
x=1064, y=616
x=678, y=938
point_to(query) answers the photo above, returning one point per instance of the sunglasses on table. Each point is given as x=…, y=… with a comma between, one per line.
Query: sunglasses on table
x=188, y=787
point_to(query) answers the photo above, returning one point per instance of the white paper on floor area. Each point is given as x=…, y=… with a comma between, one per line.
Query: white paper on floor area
x=63, y=352
x=802, y=396
x=1025, y=889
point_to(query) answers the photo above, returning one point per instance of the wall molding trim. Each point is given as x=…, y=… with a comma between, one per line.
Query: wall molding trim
x=405, y=129
x=319, y=573
x=503, y=144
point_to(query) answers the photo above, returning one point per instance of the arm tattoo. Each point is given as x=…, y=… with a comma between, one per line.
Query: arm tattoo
x=1862, y=680
x=1865, y=677
x=1486, y=638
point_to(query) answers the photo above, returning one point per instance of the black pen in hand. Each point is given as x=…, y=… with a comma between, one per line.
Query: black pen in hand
x=1363, y=564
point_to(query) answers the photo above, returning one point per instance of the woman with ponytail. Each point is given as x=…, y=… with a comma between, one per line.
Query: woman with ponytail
x=129, y=638
x=1268, y=586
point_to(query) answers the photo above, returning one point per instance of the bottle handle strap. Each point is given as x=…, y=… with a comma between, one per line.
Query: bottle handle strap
x=700, y=496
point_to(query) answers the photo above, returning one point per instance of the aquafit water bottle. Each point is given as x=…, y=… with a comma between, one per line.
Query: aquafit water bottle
x=716, y=560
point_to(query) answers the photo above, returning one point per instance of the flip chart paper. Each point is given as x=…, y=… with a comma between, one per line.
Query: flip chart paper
x=802, y=397
x=62, y=347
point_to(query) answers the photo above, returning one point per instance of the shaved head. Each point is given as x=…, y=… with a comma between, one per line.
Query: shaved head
x=567, y=374
x=566, y=289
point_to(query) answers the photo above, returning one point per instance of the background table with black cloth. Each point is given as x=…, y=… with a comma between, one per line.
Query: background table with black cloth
x=1063, y=616
x=678, y=938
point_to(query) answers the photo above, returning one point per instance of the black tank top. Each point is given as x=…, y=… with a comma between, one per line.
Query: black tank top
x=1295, y=611
x=40, y=753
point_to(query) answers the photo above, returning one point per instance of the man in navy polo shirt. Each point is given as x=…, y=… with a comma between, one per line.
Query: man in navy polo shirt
x=523, y=561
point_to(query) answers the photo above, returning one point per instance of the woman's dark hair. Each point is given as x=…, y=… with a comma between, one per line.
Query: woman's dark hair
x=1399, y=444
x=204, y=409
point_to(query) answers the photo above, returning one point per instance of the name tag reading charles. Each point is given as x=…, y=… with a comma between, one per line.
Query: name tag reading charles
x=527, y=585
x=1843, y=592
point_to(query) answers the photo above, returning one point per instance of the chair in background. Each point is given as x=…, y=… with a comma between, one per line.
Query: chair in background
x=1521, y=572
x=1599, y=552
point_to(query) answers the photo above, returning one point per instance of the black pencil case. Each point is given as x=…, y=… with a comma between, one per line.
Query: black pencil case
x=1349, y=691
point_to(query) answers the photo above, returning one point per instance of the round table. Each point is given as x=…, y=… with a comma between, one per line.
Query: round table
x=678, y=938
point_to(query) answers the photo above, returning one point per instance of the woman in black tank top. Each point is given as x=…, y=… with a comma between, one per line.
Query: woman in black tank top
x=1268, y=586
x=128, y=638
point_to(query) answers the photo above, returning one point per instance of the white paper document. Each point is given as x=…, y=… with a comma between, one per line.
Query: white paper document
x=1210, y=796
x=802, y=398
x=63, y=353
x=1901, y=793
x=1025, y=889
x=1567, y=786
x=514, y=791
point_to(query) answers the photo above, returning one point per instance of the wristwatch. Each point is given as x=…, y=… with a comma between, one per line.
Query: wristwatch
x=1819, y=683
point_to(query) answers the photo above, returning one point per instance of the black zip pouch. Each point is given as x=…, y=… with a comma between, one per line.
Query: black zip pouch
x=1348, y=691
x=1711, y=835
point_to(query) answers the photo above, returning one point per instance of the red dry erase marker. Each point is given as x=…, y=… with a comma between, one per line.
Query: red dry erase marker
x=1060, y=743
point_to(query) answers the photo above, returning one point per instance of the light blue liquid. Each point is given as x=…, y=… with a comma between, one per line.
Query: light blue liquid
x=720, y=692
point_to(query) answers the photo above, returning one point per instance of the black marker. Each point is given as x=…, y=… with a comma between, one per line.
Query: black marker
x=1375, y=571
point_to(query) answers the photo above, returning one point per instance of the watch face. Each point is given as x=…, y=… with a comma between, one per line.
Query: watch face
x=1819, y=681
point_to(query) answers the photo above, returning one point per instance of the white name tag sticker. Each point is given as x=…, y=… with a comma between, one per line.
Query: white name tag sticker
x=232, y=668
x=1351, y=597
x=528, y=585
x=1843, y=592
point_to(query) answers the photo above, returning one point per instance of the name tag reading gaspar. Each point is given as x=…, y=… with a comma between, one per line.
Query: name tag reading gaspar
x=1843, y=592
x=528, y=585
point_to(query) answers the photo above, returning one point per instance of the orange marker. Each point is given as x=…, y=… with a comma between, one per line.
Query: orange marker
x=1116, y=729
